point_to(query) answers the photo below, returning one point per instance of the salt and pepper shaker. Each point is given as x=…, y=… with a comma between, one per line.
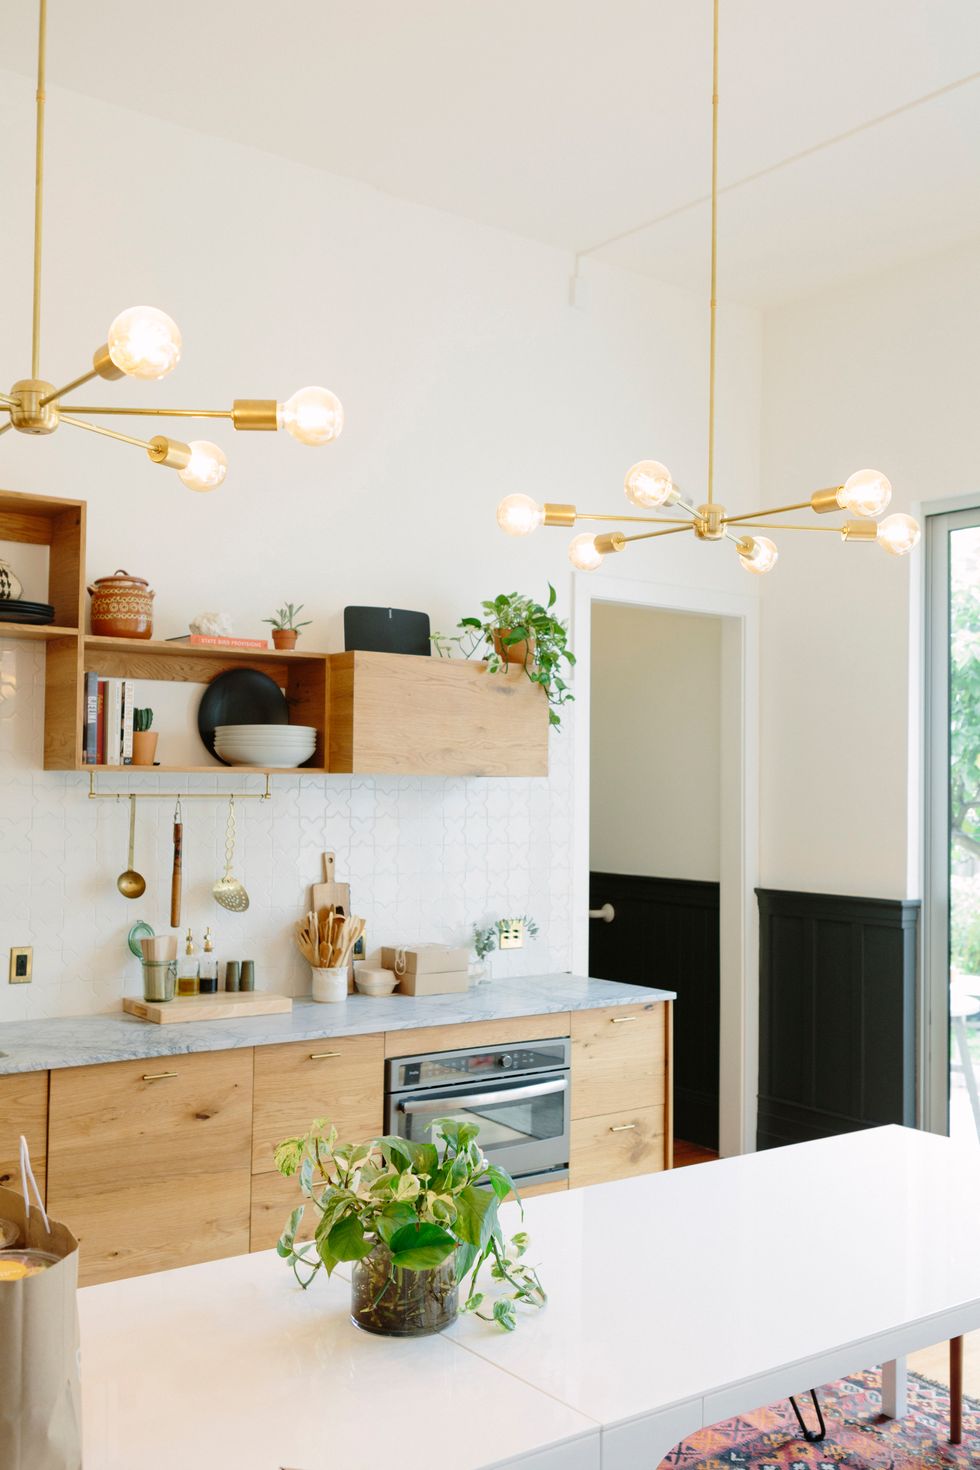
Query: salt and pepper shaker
x=232, y=975
x=247, y=980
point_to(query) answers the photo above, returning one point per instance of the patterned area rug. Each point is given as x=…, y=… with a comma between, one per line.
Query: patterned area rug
x=858, y=1437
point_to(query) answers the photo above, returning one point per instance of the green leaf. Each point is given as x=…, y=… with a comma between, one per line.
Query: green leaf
x=476, y=1215
x=466, y=1254
x=419, y=1248
x=284, y=1245
x=552, y=595
x=397, y=1152
x=394, y=1218
x=469, y=623
x=347, y=1241
x=501, y=1182
x=503, y=1312
x=288, y=1154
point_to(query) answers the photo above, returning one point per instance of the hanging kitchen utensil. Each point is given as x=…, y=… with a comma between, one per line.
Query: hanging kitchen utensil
x=228, y=891
x=130, y=883
x=175, y=880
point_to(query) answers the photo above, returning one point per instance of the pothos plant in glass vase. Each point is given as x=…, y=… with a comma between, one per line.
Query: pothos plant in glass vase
x=515, y=629
x=415, y=1219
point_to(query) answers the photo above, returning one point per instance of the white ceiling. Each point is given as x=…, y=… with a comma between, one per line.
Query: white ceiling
x=576, y=121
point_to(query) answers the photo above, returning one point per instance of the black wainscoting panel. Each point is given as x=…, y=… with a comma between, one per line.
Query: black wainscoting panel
x=666, y=933
x=836, y=1014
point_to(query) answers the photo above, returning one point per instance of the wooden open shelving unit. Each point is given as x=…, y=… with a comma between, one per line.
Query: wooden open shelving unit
x=375, y=713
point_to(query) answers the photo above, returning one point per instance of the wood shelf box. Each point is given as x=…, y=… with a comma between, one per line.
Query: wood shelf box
x=395, y=714
x=42, y=520
x=303, y=678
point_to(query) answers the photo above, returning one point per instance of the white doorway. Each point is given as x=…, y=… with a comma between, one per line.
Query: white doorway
x=737, y=821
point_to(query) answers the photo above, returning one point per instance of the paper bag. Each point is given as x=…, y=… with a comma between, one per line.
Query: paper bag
x=40, y=1394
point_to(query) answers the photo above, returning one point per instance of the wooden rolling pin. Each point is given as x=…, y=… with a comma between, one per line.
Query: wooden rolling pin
x=176, y=878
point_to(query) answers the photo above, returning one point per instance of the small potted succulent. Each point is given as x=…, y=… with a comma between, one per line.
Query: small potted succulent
x=144, y=739
x=517, y=630
x=415, y=1220
x=285, y=629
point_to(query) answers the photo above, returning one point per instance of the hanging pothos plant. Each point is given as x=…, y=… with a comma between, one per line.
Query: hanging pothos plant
x=517, y=630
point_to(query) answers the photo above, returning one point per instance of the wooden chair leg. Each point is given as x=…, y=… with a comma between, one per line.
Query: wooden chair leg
x=956, y=1390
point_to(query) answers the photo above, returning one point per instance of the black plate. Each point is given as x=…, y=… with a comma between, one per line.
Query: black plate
x=22, y=604
x=240, y=697
x=26, y=615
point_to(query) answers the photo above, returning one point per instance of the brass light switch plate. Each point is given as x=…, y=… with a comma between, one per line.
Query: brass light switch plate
x=21, y=965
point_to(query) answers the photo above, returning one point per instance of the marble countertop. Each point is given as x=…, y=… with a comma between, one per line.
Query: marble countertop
x=78, y=1041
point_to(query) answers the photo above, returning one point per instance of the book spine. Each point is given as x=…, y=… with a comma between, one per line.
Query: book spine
x=90, y=733
x=206, y=640
x=128, y=700
x=100, y=736
x=113, y=754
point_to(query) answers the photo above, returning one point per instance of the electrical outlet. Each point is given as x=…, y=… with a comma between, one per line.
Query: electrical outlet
x=21, y=964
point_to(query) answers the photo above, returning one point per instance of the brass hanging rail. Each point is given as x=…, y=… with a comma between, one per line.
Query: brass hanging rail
x=94, y=795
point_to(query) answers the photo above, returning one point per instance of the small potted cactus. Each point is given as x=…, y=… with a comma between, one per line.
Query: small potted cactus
x=285, y=629
x=144, y=739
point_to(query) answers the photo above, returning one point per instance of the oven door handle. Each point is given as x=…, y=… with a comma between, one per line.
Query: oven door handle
x=478, y=1099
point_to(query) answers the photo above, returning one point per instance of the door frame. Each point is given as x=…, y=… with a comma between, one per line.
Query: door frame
x=739, y=868
x=929, y=722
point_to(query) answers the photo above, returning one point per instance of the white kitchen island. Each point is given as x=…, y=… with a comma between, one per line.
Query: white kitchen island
x=677, y=1300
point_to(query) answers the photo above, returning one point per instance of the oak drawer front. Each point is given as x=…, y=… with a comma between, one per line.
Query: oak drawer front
x=162, y=1121
x=617, y=1146
x=157, y=1226
x=23, y=1109
x=476, y=1033
x=618, y=1059
x=341, y=1079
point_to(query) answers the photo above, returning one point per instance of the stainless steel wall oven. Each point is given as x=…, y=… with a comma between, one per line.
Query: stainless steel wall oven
x=518, y=1095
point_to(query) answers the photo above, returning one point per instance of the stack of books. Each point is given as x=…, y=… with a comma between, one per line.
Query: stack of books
x=107, y=734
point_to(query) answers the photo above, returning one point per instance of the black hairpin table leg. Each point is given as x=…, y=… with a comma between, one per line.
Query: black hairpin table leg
x=812, y=1436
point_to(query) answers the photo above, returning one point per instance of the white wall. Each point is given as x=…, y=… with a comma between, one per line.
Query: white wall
x=656, y=689
x=882, y=373
x=464, y=374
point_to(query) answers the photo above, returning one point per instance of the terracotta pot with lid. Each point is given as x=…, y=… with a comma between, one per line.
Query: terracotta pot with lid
x=122, y=606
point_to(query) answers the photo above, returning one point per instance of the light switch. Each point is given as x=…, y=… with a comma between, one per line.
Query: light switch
x=21, y=964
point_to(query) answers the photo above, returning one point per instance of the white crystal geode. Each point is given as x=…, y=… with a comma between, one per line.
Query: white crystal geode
x=213, y=625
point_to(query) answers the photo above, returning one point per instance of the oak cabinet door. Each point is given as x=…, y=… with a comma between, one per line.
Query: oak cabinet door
x=23, y=1109
x=149, y=1161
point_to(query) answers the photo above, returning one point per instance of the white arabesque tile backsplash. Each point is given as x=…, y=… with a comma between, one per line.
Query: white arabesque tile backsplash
x=426, y=858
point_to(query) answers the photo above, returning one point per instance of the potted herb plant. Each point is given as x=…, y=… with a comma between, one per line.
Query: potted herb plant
x=144, y=739
x=285, y=629
x=415, y=1219
x=517, y=630
x=484, y=944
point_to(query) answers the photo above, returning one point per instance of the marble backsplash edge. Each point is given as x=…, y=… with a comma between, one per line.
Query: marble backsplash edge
x=426, y=857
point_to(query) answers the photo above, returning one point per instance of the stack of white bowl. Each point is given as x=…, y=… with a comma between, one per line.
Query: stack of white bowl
x=265, y=745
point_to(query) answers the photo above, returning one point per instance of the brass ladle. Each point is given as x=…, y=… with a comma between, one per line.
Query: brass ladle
x=131, y=884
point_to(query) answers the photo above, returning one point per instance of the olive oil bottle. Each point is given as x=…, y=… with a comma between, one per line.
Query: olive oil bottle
x=188, y=969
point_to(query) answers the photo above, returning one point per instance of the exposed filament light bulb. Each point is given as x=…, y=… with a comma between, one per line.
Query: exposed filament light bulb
x=519, y=515
x=312, y=416
x=144, y=342
x=898, y=534
x=865, y=493
x=206, y=467
x=648, y=485
x=582, y=553
x=758, y=554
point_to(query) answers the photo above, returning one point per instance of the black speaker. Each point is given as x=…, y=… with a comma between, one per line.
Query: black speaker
x=386, y=630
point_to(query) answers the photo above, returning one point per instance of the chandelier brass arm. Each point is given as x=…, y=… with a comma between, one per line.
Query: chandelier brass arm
x=160, y=413
x=649, y=485
x=143, y=342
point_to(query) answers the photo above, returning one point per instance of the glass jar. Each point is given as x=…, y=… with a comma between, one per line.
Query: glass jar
x=399, y=1303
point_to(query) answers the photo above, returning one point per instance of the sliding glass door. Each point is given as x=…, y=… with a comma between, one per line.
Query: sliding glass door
x=952, y=930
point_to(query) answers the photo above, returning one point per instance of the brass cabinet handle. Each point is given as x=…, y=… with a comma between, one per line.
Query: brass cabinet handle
x=621, y=1020
x=157, y=1076
x=621, y=1127
x=319, y=1056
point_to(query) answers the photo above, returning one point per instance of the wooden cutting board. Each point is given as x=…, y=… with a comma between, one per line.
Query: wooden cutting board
x=329, y=894
x=227, y=1005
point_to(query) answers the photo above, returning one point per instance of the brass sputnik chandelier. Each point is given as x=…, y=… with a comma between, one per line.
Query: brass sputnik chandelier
x=144, y=343
x=649, y=485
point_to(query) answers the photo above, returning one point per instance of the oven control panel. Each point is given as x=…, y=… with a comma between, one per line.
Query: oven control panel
x=439, y=1068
